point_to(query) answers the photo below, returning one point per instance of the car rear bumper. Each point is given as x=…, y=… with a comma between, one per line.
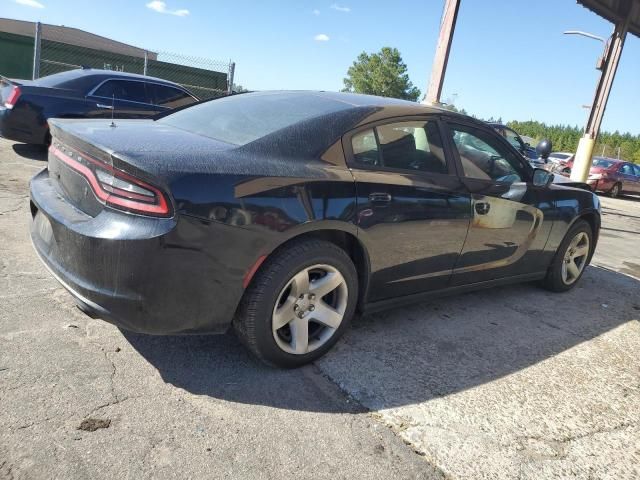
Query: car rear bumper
x=601, y=184
x=143, y=274
x=14, y=127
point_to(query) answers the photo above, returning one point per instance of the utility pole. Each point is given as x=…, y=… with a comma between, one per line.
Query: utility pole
x=439, y=68
x=608, y=65
x=231, y=74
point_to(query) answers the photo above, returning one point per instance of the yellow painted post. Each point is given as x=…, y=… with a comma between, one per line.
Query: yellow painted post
x=582, y=162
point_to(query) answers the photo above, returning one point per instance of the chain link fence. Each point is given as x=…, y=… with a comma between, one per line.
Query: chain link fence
x=57, y=49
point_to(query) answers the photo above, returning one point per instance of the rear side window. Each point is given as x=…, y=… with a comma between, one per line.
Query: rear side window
x=168, y=97
x=414, y=145
x=124, y=90
x=636, y=168
x=365, y=148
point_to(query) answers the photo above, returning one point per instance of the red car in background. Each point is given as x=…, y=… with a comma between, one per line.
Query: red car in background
x=609, y=175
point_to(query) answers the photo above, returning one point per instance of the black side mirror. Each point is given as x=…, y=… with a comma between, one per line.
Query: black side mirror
x=544, y=149
x=542, y=178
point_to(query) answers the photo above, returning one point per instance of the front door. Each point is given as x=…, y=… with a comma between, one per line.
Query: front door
x=510, y=225
x=412, y=209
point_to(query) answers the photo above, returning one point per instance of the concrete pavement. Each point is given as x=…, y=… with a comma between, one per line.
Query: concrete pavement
x=513, y=382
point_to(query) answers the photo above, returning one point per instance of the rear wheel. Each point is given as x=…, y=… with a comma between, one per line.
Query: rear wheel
x=615, y=190
x=571, y=259
x=299, y=304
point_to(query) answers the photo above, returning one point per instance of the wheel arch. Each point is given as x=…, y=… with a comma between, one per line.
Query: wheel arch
x=592, y=217
x=342, y=238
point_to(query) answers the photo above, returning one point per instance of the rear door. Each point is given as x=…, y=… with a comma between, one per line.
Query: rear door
x=508, y=230
x=127, y=99
x=412, y=210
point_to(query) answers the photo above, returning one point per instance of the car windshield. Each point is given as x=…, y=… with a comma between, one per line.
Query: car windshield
x=602, y=163
x=241, y=119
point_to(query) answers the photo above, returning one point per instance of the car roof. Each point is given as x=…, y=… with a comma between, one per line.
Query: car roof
x=392, y=106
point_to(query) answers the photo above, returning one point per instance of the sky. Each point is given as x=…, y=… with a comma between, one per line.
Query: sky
x=509, y=58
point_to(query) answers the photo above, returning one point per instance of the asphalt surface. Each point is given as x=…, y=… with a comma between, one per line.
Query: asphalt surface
x=507, y=383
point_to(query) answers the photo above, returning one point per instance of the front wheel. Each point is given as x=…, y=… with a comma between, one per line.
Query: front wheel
x=299, y=304
x=571, y=259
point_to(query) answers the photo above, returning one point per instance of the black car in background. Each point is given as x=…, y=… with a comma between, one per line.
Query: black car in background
x=282, y=213
x=26, y=106
x=516, y=141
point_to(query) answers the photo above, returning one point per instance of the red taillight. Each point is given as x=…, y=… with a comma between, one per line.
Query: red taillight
x=114, y=187
x=12, y=99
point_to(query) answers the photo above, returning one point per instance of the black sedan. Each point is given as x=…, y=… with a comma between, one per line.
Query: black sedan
x=284, y=213
x=26, y=106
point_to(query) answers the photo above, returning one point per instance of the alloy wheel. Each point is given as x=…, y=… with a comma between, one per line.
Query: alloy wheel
x=575, y=258
x=309, y=309
x=615, y=191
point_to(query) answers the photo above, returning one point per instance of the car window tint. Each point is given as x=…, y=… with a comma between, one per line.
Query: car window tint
x=123, y=90
x=415, y=145
x=169, y=97
x=513, y=139
x=636, y=168
x=365, y=148
x=483, y=156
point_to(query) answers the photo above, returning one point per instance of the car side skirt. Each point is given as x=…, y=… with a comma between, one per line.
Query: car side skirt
x=373, y=307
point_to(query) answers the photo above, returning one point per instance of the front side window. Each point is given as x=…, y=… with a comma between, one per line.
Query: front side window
x=123, y=90
x=513, y=138
x=484, y=157
x=627, y=169
x=636, y=168
x=414, y=145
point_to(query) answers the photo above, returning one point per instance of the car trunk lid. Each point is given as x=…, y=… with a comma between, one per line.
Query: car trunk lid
x=127, y=166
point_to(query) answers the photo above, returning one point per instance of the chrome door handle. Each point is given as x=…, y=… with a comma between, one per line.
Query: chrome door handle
x=380, y=199
x=102, y=105
x=482, y=208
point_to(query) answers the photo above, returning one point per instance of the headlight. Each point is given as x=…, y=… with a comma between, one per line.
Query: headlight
x=595, y=176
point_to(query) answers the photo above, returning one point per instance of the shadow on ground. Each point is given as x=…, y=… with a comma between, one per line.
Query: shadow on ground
x=32, y=152
x=412, y=354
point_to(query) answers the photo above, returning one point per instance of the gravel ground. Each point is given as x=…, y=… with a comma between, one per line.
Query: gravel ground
x=507, y=383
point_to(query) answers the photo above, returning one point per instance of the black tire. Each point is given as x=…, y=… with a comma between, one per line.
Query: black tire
x=554, y=281
x=615, y=191
x=253, y=319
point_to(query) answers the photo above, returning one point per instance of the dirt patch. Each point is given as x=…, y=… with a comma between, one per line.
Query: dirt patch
x=93, y=424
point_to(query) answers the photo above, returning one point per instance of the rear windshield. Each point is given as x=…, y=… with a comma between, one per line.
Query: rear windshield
x=68, y=79
x=241, y=119
x=602, y=163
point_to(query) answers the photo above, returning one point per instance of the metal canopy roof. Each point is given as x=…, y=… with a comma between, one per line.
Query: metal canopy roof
x=615, y=11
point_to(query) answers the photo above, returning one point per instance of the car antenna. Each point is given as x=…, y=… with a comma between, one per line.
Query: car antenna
x=113, y=101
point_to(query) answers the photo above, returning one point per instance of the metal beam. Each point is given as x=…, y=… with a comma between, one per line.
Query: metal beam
x=611, y=59
x=439, y=68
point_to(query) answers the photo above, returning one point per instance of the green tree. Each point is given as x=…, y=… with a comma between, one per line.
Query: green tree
x=383, y=73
